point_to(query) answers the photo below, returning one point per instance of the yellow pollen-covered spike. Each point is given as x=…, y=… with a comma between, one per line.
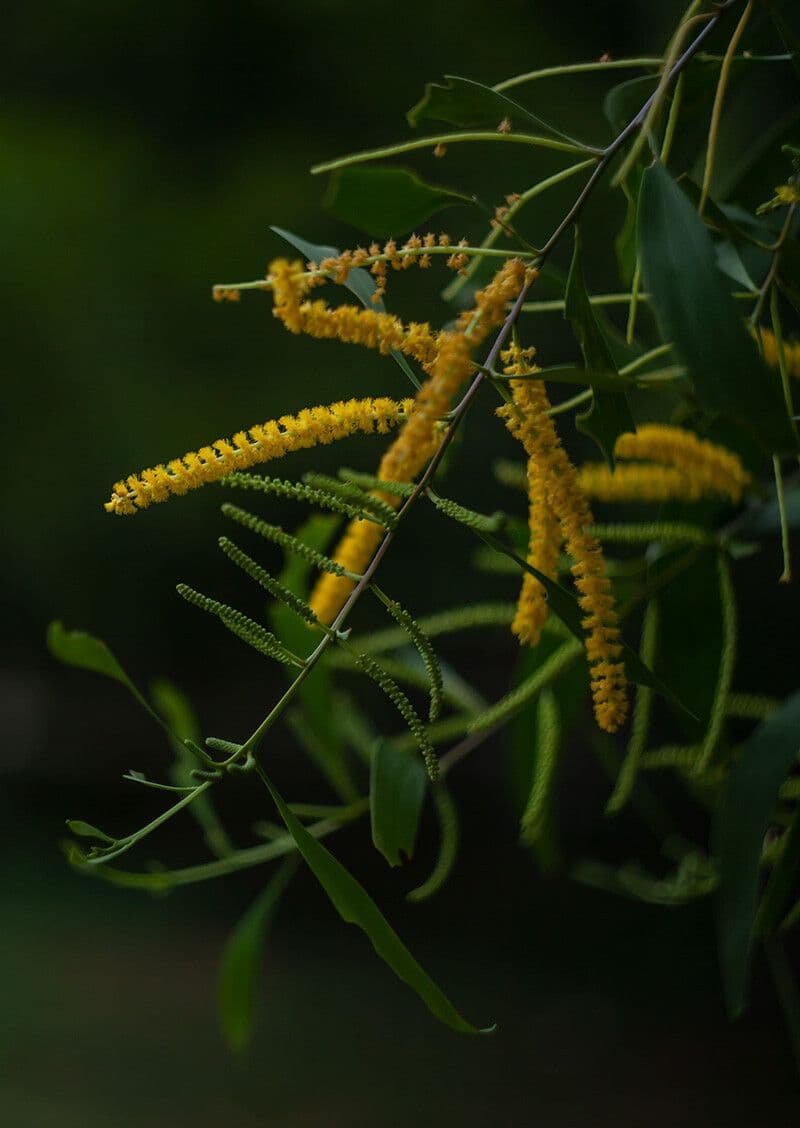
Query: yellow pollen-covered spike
x=709, y=466
x=527, y=419
x=270, y=440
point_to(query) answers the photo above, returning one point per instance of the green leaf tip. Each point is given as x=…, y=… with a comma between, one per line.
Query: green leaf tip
x=355, y=906
x=387, y=201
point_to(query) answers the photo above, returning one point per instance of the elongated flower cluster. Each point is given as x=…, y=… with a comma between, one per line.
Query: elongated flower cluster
x=554, y=477
x=401, y=463
x=417, y=441
x=310, y=427
x=769, y=349
x=351, y=324
x=686, y=468
x=638, y=482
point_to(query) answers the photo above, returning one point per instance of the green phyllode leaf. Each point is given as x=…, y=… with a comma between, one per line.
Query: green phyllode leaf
x=398, y=782
x=468, y=103
x=386, y=201
x=77, y=648
x=695, y=311
x=747, y=801
x=355, y=906
x=240, y=966
x=610, y=414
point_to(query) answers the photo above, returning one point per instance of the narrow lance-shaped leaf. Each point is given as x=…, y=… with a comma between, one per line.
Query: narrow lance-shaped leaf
x=355, y=906
x=77, y=648
x=387, y=201
x=240, y=967
x=747, y=802
x=447, y=813
x=398, y=781
x=468, y=103
x=610, y=413
x=696, y=311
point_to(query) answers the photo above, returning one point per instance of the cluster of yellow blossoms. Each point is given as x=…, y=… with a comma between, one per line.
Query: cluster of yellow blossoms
x=678, y=466
x=259, y=444
x=769, y=349
x=559, y=511
x=416, y=249
x=416, y=443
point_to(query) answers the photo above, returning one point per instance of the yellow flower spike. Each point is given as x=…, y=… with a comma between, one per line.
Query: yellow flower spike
x=707, y=465
x=543, y=549
x=351, y=324
x=261, y=443
x=448, y=365
x=638, y=482
x=403, y=460
x=526, y=418
x=769, y=349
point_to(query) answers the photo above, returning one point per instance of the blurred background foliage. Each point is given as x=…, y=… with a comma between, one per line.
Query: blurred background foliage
x=146, y=150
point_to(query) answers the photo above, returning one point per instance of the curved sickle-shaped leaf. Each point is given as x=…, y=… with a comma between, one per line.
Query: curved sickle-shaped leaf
x=77, y=648
x=747, y=802
x=355, y=906
x=359, y=282
x=468, y=103
x=398, y=781
x=386, y=201
x=610, y=414
x=240, y=966
x=695, y=310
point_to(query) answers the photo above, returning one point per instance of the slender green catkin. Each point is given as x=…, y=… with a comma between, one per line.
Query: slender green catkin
x=404, y=707
x=285, y=540
x=511, y=474
x=447, y=813
x=640, y=724
x=512, y=702
x=480, y=522
x=677, y=531
x=373, y=507
x=266, y=581
x=682, y=757
x=750, y=706
x=298, y=491
x=443, y=622
x=537, y=816
x=371, y=482
x=423, y=645
x=727, y=660
x=242, y=626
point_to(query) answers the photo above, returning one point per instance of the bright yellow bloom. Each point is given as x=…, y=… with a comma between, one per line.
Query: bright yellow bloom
x=404, y=459
x=447, y=369
x=708, y=466
x=543, y=550
x=351, y=324
x=527, y=419
x=639, y=482
x=769, y=348
x=310, y=427
x=788, y=194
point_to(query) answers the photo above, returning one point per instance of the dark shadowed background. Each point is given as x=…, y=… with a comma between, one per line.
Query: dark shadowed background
x=146, y=150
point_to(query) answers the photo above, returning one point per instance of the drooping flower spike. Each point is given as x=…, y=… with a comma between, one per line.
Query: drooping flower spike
x=554, y=476
x=417, y=441
x=261, y=443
